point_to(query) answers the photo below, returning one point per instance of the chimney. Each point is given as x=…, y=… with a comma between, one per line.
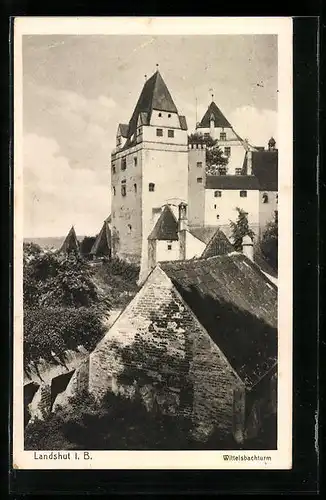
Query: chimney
x=248, y=247
x=249, y=162
x=182, y=229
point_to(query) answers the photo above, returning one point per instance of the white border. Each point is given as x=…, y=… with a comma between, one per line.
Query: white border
x=281, y=26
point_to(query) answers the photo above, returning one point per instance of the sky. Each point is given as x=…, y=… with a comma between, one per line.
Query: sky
x=77, y=89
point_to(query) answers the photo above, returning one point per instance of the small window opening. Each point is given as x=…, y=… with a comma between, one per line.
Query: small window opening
x=217, y=194
x=169, y=246
x=123, y=164
x=151, y=187
x=265, y=198
x=159, y=132
x=135, y=161
x=170, y=133
x=199, y=180
x=160, y=115
x=222, y=136
x=243, y=194
x=199, y=164
x=135, y=188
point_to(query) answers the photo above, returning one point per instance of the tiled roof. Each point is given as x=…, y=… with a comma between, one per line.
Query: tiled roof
x=102, y=244
x=203, y=234
x=155, y=95
x=236, y=304
x=265, y=168
x=219, y=244
x=166, y=227
x=123, y=129
x=246, y=182
x=219, y=118
x=70, y=243
x=183, y=122
x=264, y=266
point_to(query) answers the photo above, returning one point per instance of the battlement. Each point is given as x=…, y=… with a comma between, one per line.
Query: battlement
x=197, y=145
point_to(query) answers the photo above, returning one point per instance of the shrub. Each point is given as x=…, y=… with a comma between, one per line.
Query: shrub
x=240, y=228
x=269, y=242
x=50, y=332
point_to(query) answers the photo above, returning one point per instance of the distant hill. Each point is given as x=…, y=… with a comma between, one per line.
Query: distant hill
x=49, y=242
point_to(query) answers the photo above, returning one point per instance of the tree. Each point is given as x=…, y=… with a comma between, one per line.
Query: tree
x=240, y=228
x=216, y=162
x=269, y=242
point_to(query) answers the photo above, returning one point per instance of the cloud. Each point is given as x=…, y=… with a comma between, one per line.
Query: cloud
x=257, y=125
x=57, y=195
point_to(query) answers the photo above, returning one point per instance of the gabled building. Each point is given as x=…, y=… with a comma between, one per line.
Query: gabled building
x=70, y=243
x=102, y=243
x=198, y=340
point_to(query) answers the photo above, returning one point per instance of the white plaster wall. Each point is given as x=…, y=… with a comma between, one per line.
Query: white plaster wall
x=180, y=136
x=226, y=206
x=162, y=252
x=194, y=247
x=166, y=120
x=196, y=192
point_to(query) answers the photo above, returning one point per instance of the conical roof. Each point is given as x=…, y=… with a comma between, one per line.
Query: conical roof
x=102, y=244
x=166, y=227
x=71, y=243
x=213, y=112
x=155, y=95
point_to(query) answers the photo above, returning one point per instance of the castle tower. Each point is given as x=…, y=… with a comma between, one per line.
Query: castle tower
x=218, y=127
x=148, y=167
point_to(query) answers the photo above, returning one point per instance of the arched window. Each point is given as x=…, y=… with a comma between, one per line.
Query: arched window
x=265, y=198
x=113, y=191
x=151, y=187
x=217, y=194
x=160, y=115
x=135, y=188
x=129, y=228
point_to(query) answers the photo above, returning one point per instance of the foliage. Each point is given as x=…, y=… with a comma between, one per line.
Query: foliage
x=86, y=245
x=216, y=162
x=240, y=228
x=52, y=279
x=31, y=249
x=269, y=242
x=49, y=332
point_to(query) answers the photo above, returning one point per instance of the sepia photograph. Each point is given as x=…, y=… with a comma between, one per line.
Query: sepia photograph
x=152, y=177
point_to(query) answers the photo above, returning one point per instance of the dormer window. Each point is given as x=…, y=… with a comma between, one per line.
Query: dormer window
x=265, y=198
x=222, y=136
x=151, y=187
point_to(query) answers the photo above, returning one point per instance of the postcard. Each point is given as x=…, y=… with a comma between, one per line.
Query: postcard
x=152, y=243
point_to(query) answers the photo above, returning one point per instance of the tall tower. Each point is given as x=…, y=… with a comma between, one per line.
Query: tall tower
x=149, y=166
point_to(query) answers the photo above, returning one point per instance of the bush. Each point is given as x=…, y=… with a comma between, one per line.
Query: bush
x=50, y=332
x=54, y=279
x=269, y=242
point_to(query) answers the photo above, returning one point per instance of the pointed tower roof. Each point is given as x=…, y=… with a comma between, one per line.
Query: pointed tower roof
x=155, y=95
x=214, y=112
x=102, y=244
x=166, y=227
x=70, y=243
x=218, y=245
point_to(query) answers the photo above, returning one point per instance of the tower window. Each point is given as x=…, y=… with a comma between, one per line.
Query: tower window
x=159, y=132
x=169, y=246
x=123, y=164
x=199, y=180
x=160, y=115
x=217, y=194
x=265, y=198
x=243, y=194
x=222, y=136
x=217, y=216
x=135, y=188
x=123, y=188
x=169, y=115
x=170, y=133
x=238, y=171
x=151, y=187
x=113, y=169
x=118, y=141
x=199, y=164
x=214, y=206
x=135, y=161
x=129, y=228
x=114, y=191
x=277, y=198
x=227, y=151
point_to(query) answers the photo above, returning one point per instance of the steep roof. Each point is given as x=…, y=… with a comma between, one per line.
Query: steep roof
x=265, y=168
x=183, y=122
x=236, y=304
x=203, y=233
x=219, y=244
x=123, y=129
x=247, y=182
x=219, y=118
x=166, y=227
x=70, y=243
x=155, y=95
x=102, y=244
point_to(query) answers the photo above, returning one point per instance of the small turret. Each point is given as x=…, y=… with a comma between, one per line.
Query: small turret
x=271, y=144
